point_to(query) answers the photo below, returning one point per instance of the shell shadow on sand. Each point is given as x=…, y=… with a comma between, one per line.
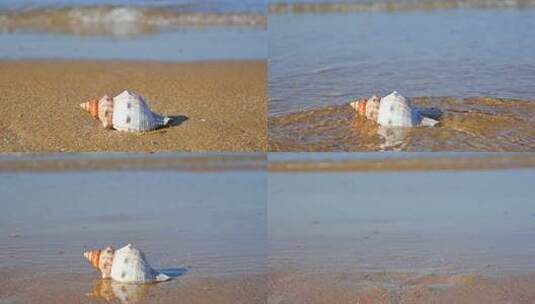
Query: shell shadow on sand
x=125, y=293
x=176, y=121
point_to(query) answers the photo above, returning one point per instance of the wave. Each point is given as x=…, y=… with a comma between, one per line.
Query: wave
x=282, y=8
x=119, y=21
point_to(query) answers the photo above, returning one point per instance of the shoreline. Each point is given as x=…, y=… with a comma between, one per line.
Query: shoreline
x=222, y=103
x=406, y=165
x=135, y=162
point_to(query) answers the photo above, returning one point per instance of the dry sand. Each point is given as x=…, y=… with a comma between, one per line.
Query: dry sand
x=391, y=288
x=217, y=106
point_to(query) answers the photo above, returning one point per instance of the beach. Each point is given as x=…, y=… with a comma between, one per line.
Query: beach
x=215, y=106
x=481, y=81
x=472, y=124
x=409, y=229
x=212, y=243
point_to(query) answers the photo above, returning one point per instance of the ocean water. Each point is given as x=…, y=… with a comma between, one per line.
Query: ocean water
x=187, y=5
x=133, y=30
x=188, y=45
x=457, y=222
x=322, y=59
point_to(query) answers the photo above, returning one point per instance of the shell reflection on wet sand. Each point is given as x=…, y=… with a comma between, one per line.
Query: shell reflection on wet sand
x=472, y=124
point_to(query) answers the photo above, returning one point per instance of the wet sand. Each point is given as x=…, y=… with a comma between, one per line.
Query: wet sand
x=473, y=124
x=390, y=288
x=216, y=106
x=28, y=286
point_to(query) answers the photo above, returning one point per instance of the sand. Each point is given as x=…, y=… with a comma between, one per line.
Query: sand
x=216, y=106
x=390, y=288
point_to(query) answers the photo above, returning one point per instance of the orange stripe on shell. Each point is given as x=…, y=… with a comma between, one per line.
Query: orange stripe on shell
x=95, y=258
x=362, y=107
x=93, y=108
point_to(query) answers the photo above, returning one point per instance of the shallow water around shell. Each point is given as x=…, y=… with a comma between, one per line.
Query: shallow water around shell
x=208, y=228
x=472, y=124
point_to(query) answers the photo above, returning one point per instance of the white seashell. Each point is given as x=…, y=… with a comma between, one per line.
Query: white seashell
x=101, y=260
x=130, y=266
x=372, y=107
x=397, y=111
x=126, y=265
x=131, y=113
x=367, y=108
x=105, y=111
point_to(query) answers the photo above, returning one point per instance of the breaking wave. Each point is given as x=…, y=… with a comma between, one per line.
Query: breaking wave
x=281, y=8
x=119, y=20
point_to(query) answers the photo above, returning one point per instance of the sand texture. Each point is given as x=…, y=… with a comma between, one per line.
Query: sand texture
x=215, y=106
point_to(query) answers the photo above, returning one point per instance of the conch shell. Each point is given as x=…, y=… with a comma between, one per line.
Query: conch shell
x=131, y=113
x=125, y=112
x=100, y=109
x=101, y=260
x=128, y=265
x=367, y=108
x=393, y=110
